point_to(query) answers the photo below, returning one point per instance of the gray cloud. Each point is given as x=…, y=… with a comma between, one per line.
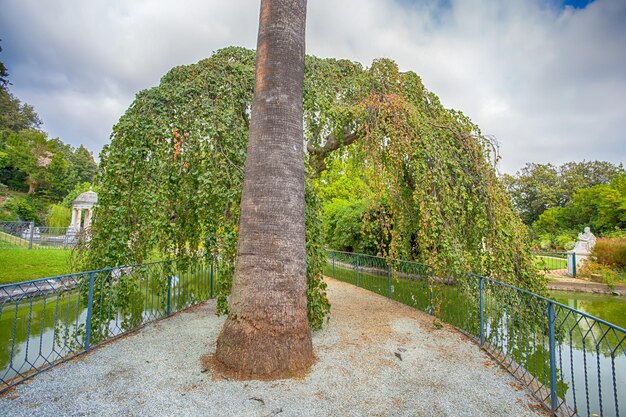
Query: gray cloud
x=547, y=80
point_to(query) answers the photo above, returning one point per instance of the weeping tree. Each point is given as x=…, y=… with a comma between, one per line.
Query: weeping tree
x=171, y=179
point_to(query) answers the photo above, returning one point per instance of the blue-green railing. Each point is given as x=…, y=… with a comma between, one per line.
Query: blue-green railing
x=47, y=321
x=573, y=362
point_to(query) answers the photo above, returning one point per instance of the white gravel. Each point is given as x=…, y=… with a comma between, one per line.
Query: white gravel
x=376, y=358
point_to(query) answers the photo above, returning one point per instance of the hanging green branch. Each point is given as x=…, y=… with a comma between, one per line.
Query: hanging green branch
x=170, y=181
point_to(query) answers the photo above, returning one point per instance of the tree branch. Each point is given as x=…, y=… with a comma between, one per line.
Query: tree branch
x=319, y=154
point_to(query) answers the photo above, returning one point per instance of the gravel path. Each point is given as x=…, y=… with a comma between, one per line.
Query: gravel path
x=376, y=358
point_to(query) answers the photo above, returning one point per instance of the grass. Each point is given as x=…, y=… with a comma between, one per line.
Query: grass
x=18, y=264
x=549, y=262
x=5, y=238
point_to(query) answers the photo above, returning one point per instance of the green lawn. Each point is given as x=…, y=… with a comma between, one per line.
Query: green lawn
x=549, y=262
x=17, y=264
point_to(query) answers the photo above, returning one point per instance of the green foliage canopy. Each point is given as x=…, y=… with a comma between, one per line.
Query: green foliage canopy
x=539, y=187
x=44, y=166
x=171, y=178
x=601, y=207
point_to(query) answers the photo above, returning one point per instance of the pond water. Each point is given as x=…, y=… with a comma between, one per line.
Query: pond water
x=38, y=331
x=610, y=308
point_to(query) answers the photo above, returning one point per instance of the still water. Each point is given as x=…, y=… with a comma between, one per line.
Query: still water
x=610, y=308
x=38, y=331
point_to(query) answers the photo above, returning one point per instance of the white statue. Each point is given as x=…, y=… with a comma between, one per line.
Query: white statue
x=580, y=253
x=586, y=242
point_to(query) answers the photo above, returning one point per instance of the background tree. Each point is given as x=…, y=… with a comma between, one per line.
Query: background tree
x=43, y=165
x=14, y=115
x=601, y=207
x=538, y=187
x=30, y=162
x=4, y=74
x=29, y=152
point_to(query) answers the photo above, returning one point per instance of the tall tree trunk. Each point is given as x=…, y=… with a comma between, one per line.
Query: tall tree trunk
x=32, y=186
x=267, y=333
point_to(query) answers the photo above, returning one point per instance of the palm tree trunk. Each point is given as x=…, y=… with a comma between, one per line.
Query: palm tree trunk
x=267, y=334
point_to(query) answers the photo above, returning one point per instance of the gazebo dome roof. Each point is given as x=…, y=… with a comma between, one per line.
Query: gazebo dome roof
x=86, y=198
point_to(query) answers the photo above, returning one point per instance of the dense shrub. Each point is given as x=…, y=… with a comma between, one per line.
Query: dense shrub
x=561, y=241
x=58, y=216
x=343, y=225
x=565, y=241
x=22, y=208
x=610, y=252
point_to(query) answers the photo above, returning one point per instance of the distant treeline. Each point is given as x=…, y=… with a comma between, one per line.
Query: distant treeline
x=559, y=201
x=48, y=170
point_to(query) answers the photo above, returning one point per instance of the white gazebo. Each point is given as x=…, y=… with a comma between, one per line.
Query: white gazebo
x=85, y=201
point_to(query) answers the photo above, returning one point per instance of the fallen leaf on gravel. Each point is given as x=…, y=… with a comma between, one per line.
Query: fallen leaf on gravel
x=258, y=399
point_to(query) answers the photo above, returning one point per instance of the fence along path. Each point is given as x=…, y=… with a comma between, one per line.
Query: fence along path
x=573, y=362
x=28, y=236
x=47, y=321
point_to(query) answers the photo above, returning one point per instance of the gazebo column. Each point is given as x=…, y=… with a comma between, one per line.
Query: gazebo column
x=85, y=201
x=79, y=219
x=74, y=222
x=88, y=219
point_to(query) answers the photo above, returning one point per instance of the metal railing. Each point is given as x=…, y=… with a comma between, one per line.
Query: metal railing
x=47, y=321
x=573, y=362
x=28, y=236
x=552, y=261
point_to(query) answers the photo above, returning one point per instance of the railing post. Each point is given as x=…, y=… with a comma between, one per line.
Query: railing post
x=574, y=264
x=332, y=254
x=482, y=311
x=357, y=270
x=168, y=307
x=554, y=399
x=32, y=232
x=429, y=282
x=388, y=280
x=89, y=311
x=211, y=277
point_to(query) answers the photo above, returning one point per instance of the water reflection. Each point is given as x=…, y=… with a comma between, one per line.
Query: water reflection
x=607, y=307
x=37, y=331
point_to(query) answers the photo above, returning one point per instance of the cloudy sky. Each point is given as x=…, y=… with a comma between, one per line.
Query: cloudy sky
x=546, y=77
